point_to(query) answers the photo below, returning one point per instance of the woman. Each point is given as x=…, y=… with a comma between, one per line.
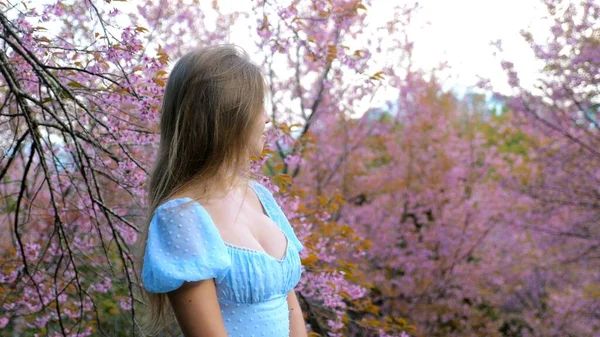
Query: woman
x=220, y=254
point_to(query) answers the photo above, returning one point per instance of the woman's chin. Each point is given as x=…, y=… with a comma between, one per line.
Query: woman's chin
x=257, y=152
x=260, y=145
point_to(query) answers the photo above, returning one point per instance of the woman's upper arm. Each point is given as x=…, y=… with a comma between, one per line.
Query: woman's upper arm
x=184, y=256
x=197, y=309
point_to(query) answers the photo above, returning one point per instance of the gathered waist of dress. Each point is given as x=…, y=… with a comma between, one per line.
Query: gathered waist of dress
x=266, y=318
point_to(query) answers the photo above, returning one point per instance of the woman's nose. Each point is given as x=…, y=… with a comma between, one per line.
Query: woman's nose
x=267, y=118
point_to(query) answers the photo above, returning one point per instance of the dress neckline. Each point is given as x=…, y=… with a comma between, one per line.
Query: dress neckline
x=260, y=252
x=242, y=248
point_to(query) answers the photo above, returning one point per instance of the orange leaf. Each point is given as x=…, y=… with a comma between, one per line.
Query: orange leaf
x=310, y=260
x=286, y=178
x=158, y=81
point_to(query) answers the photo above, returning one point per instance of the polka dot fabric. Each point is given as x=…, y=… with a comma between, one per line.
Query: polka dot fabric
x=185, y=245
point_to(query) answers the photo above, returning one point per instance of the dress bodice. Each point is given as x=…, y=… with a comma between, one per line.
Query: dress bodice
x=252, y=286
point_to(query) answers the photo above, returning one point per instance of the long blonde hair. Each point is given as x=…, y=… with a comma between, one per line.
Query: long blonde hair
x=213, y=97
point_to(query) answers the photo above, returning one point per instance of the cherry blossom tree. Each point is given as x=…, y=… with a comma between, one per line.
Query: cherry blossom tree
x=431, y=215
x=80, y=94
x=561, y=114
x=80, y=99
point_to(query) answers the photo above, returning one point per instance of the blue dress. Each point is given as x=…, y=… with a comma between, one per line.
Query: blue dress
x=252, y=286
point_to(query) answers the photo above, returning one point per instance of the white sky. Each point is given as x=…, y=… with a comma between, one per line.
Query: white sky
x=461, y=30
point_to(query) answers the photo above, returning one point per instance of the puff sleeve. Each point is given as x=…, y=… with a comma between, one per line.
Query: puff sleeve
x=276, y=213
x=183, y=245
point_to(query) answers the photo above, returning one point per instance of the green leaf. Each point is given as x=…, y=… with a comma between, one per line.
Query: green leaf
x=74, y=84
